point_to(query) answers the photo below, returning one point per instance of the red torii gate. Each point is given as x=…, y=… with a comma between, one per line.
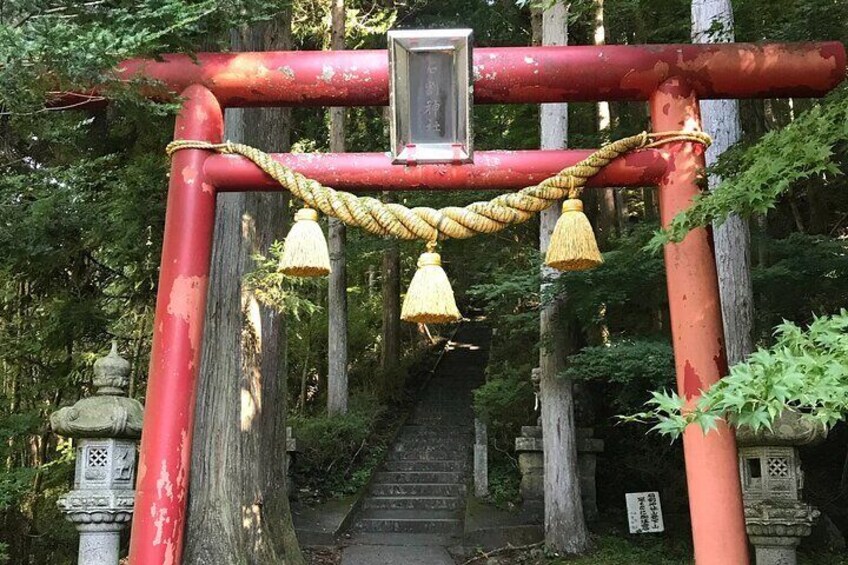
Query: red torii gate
x=672, y=78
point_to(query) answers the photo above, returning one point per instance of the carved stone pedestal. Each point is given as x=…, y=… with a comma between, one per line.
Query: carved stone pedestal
x=99, y=518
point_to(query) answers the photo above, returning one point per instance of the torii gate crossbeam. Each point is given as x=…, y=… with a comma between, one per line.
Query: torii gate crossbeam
x=672, y=78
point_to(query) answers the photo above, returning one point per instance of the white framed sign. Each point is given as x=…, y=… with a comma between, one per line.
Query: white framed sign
x=644, y=512
x=431, y=95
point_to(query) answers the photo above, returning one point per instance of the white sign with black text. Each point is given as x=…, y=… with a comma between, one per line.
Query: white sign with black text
x=644, y=512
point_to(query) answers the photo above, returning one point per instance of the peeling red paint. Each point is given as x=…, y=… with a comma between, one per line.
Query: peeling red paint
x=189, y=175
x=183, y=302
x=692, y=385
x=556, y=73
x=182, y=470
x=170, y=555
x=164, y=486
x=160, y=520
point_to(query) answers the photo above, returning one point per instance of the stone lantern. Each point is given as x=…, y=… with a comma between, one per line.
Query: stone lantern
x=106, y=428
x=772, y=482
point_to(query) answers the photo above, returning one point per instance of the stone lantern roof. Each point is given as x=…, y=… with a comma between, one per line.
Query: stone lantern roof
x=108, y=414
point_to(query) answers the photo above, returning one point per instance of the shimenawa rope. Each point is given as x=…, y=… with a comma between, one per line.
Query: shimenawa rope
x=455, y=222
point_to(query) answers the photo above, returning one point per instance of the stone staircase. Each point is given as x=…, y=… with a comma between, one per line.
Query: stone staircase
x=421, y=487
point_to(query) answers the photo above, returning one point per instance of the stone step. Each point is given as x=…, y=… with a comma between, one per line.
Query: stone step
x=410, y=521
x=434, y=465
x=414, y=503
x=464, y=441
x=418, y=476
x=442, y=412
x=418, y=489
x=436, y=431
x=423, y=440
x=428, y=454
x=435, y=446
x=435, y=420
x=444, y=429
x=454, y=450
x=407, y=540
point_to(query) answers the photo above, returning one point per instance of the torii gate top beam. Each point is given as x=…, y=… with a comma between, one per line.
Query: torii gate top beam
x=510, y=74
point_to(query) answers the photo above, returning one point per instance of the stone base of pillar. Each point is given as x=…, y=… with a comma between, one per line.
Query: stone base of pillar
x=775, y=550
x=99, y=543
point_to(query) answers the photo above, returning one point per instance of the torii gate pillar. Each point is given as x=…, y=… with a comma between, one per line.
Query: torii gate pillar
x=712, y=478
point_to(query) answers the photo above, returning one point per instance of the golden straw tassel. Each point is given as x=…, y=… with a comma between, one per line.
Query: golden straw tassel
x=573, y=246
x=430, y=299
x=305, y=252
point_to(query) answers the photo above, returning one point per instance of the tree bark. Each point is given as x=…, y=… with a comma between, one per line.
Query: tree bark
x=606, y=196
x=337, y=389
x=565, y=527
x=238, y=509
x=390, y=353
x=732, y=239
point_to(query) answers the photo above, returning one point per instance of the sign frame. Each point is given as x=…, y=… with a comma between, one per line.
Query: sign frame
x=431, y=106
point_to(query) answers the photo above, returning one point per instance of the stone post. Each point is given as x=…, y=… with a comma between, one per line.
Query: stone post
x=291, y=449
x=106, y=428
x=531, y=462
x=588, y=448
x=481, y=459
x=772, y=482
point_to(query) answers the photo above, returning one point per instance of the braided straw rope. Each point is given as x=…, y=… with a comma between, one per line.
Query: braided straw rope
x=455, y=222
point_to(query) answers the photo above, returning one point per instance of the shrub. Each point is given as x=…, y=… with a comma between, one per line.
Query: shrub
x=805, y=371
x=504, y=483
x=626, y=369
x=328, y=446
x=504, y=403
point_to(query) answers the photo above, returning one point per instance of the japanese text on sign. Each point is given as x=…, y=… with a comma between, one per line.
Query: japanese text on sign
x=644, y=512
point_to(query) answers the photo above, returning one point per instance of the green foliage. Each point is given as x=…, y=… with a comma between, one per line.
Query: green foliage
x=328, y=447
x=618, y=550
x=624, y=293
x=806, y=371
x=815, y=263
x=504, y=403
x=58, y=45
x=811, y=148
x=626, y=368
x=274, y=289
x=511, y=297
x=504, y=483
